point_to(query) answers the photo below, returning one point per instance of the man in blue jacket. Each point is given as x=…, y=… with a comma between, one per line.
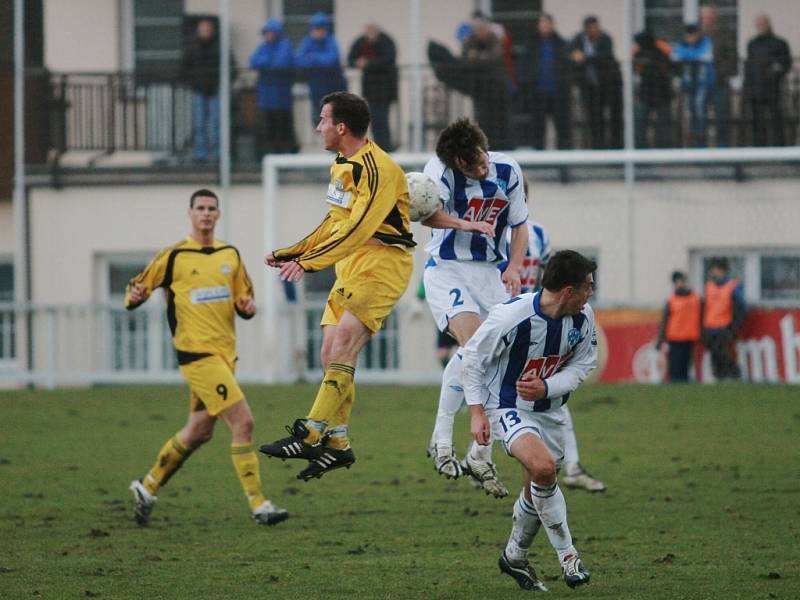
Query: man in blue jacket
x=696, y=55
x=318, y=54
x=275, y=63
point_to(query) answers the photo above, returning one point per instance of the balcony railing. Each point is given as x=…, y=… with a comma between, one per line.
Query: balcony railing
x=105, y=113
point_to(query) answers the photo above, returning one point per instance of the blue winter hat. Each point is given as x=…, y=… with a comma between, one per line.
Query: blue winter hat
x=273, y=25
x=319, y=19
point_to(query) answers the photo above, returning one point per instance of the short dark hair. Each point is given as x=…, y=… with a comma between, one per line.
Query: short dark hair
x=567, y=268
x=462, y=140
x=691, y=28
x=720, y=262
x=590, y=20
x=203, y=193
x=350, y=109
x=676, y=275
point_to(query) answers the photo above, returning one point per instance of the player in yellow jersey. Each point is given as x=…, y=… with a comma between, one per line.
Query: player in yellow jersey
x=206, y=285
x=366, y=234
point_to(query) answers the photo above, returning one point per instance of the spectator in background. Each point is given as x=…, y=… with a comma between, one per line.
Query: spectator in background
x=652, y=63
x=545, y=78
x=723, y=315
x=600, y=81
x=275, y=61
x=375, y=55
x=201, y=73
x=726, y=65
x=768, y=62
x=464, y=29
x=697, y=78
x=318, y=54
x=680, y=328
x=482, y=52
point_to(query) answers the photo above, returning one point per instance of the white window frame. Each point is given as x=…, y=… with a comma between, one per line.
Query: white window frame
x=752, y=271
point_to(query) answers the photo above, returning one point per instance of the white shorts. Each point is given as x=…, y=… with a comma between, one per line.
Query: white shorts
x=509, y=423
x=453, y=287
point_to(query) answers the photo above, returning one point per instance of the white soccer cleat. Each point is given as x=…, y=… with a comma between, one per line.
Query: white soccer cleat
x=484, y=474
x=445, y=461
x=145, y=502
x=575, y=573
x=581, y=479
x=269, y=514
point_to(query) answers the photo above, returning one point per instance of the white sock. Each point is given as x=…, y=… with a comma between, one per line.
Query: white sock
x=482, y=453
x=525, y=525
x=552, y=510
x=450, y=398
x=571, y=458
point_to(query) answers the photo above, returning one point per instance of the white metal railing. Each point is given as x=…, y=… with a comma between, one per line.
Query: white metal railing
x=84, y=344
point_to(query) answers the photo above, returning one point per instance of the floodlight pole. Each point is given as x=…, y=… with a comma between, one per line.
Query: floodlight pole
x=630, y=172
x=21, y=283
x=415, y=13
x=225, y=117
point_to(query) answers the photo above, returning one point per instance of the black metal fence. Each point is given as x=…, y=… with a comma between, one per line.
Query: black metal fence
x=106, y=113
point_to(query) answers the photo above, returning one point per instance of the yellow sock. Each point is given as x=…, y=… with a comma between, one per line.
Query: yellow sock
x=170, y=458
x=245, y=461
x=336, y=390
x=338, y=423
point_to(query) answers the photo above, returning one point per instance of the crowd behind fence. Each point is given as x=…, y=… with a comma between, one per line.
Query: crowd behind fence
x=112, y=112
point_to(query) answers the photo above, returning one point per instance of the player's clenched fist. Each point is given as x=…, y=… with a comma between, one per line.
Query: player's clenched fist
x=531, y=388
x=139, y=293
x=246, y=305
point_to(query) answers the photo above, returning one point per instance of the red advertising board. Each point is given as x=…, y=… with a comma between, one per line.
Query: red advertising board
x=768, y=348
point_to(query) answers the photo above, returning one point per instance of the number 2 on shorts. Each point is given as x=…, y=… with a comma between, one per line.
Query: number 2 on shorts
x=456, y=293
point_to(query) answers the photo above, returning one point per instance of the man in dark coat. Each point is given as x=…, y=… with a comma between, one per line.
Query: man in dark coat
x=545, y=79
x=374, y=53
x=201, y=73
x=768, y=61
x=600, y=82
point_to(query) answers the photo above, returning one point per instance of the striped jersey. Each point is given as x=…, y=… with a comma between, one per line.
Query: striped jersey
x=368, y=198
x=498, y=199
x=516, y=339
x=536, y=257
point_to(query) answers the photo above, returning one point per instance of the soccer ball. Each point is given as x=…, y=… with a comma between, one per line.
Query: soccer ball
x=423, y=194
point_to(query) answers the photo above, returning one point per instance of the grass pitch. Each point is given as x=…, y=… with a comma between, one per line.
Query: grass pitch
x=703, y=501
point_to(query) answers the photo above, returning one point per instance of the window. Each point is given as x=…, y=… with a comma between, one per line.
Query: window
x=769, y=277
x=664, y=18
x=8, y=342
x=137, y=340
x=519, y=19
x=780, y=278
x=158, y=38
x=296, y=14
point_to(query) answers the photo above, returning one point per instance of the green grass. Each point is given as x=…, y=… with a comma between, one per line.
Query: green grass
x=703, y=501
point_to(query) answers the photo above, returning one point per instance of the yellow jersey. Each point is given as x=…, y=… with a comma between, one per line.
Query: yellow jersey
x=368, y=195
x=201, y=284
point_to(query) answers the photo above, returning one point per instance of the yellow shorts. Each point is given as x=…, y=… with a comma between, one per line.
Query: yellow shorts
x=368, y=284
x=212, y=384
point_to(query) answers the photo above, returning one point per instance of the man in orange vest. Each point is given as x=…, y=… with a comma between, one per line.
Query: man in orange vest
x=723, y=314
x=680, y=327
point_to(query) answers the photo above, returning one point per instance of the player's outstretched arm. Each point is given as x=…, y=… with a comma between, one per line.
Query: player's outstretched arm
x=442, y=220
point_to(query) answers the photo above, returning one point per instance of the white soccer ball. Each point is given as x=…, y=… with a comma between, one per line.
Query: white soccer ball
x=423, y=194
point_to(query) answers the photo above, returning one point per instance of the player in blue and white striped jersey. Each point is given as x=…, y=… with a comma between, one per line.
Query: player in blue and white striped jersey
x=461, y=278
x=535, y=259
x=519, y=369
x=575, y=476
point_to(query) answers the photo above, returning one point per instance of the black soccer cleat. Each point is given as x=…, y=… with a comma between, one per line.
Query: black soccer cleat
x=327, y=460
x=523, y=574
x=293, y=446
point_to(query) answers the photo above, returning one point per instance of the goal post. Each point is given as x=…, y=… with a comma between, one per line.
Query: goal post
x=639, y=213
